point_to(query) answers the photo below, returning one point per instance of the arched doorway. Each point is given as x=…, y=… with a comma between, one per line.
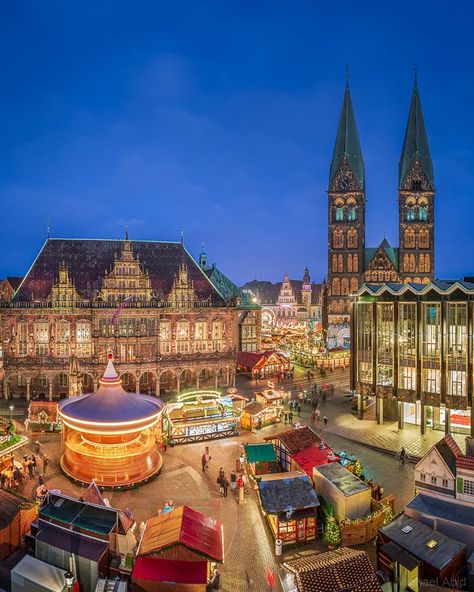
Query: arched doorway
x=148, y=383
x=17, y=386
x=168, y=382
x=187, y=379
x=39, y=388
x=128, y=382
x=87, y=383
x=222, y=377
x=206, y=378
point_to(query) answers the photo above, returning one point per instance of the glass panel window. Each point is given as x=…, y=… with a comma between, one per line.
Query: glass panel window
x=41, y=338
x=200, y=336
x=83, y=338
x=385, y=335
x=165, y=337
x=217, y=334
x=431, y=380
x=407, y=330
x=457, y=331
x=456, y=383
x=63, y=334
x=22, y=338
x=182, y=337
x=364, y=341
x=431, y=331
x=468, y=487
x=407, y=378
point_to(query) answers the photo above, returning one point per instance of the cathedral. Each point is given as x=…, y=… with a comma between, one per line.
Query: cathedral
x=350, y=262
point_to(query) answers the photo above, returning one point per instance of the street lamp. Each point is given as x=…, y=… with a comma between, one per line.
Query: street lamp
x=69, y=579
x=11, y=407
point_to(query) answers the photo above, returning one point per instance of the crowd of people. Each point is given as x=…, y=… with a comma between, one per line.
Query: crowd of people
x=14, y=476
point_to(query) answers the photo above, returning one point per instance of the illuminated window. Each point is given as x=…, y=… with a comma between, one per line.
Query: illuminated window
x=22, y=338
x=83, y=338
x=41, y=338
x=200, y=335
x=63, y=335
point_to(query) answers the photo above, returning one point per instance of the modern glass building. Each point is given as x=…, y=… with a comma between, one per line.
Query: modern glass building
x=412, y=355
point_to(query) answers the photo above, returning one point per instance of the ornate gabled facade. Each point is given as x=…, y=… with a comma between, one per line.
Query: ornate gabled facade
x=290, y=303
x=167, y=323
x=350, y=262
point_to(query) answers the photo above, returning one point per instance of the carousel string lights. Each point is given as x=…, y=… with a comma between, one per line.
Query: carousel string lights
x=110, y=436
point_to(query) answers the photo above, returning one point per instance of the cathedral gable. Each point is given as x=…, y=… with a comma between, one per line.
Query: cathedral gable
x=381, y=266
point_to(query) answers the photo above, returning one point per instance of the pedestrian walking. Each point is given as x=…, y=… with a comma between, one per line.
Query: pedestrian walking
x=286, y=417
x=45, y=464
x=299, y=409
x=318, y=414
x=214, y=581
x=233, y=482
x=290, y=417
x=220, y=482
x=270, y=578
x=203, y=462
x=325, y=419
x=30, y=468
x=225, y=485
x=33, y=463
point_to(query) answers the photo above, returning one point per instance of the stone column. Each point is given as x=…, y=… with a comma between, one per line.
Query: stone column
x=422, y=419
x=28, y=384
x=447, y=421
x=197, y=380
x=401, y=419
x=227, y=377
x=360, y=405
x=178, y=385
x=157, y=387
x=50, y=386
x=216, y=380
x=379, y=409
x=137, y=385
x=6, y=390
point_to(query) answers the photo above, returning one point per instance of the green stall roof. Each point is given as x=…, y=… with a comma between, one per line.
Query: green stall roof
x=260, y=453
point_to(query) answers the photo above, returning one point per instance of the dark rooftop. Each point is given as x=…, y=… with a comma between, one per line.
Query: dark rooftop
x=280, y=491
x=88, y=261
x=415, y=541
x=72, y=542
x=10, y=505
x=435, y=506
x=296, y=439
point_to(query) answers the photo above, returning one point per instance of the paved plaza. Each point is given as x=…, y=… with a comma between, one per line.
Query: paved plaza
x=248, y=545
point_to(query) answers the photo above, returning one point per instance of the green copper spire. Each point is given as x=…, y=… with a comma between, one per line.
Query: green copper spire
x=415, y=144
x=347, y=144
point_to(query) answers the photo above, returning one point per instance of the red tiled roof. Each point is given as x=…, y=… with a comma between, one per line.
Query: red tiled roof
x=88, y=261
x=313, y=457
x=170, y=570
x=297, y=439
x=451, y=442
x=465, y=462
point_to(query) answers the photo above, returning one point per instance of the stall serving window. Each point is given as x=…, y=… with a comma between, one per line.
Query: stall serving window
x=364, y=341
x=385, y=339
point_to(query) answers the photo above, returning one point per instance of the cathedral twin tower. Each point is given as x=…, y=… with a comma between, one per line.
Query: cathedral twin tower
x=350, y=262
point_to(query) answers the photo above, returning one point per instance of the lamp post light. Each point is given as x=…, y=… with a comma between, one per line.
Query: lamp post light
x=11, y=407
x=69, y=579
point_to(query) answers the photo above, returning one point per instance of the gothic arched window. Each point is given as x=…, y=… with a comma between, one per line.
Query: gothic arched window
x=352, y=238
x=355, y=262
x=349, y=263
x=412, y=263
x=424, y=239
x=409, y=236
x=410, y=214
x=427, y=263
x=345, y=287
x=339, y=214
x=338, y=239
x=340, y=266
x=406, y=262
x=421, y=263
x=336, y=287
x=423, y=213
x=334, y=263
x=354, y=285
x=352, y=214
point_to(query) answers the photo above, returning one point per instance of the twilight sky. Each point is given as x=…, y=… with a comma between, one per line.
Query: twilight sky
x=221, y=117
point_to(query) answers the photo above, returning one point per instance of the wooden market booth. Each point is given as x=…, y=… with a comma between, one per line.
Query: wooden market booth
x=290, y=505
x=292, y=441
x=261, y=458
x=16, y=516
x=257, y=415
x=262, y=364
x=201, y=415
x=176, y=552
x=43, y=416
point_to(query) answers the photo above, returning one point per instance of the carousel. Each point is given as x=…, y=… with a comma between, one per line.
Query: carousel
x=110, y=436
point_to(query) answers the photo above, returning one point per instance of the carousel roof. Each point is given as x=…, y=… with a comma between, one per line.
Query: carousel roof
x=110, y=403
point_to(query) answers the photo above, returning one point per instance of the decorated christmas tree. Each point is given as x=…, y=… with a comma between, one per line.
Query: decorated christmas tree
x=332, y=534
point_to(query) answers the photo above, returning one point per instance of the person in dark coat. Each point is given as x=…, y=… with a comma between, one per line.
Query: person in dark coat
x=214, y=582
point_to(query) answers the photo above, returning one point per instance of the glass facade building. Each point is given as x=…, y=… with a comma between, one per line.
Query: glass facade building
x=412, y=356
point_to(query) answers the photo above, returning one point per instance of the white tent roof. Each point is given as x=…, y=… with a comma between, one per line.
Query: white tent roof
x=33, y=570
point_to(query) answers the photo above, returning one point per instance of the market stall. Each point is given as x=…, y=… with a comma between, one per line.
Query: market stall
x=289, y=503
x=201, y=415
x=261, y=458
x=257, y=415
x=348, y=495
x=43, y=416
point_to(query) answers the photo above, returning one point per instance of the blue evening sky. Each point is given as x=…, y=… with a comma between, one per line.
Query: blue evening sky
x=221, y=117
